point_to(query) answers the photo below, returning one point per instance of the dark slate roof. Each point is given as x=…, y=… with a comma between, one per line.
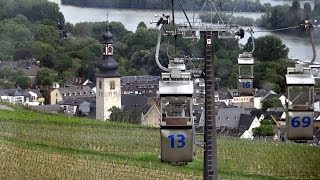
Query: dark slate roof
x=130, y=102
x=271, y=96
x=146, y=108
x=262, y=93
x=225, y=95
x=18, y=92
x=91, y=100
x=221, y=104
x=15, y=92
x=47, y=108
x=76, y=90
x=37, y=91
x=74, y=81
x=74, y=102
x=229, y=117
x=227, y=131
x=257, y=112
x=276, y=114
x=132, y=79
x=245, y=121
x=31, y=70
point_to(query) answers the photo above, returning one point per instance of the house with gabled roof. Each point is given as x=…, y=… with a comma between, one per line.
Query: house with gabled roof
x=60, y=94
x=148, y=108
x=27, y=97
x=78, y=107
x=246, y=125
x=264, y=95
x=226, y=97
x=241, y=101
x=227, y=120
x=77, y=82
x=143, y=85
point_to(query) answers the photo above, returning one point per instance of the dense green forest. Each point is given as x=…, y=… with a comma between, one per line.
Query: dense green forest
x=41, y=35
x=226, y=5
x=288, y=16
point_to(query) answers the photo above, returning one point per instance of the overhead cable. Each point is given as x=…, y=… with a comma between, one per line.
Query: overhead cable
x=184, y=12
x=280, y=29
x=235, y=8
x=200, y=3
x=204, y=4
x=215, y=8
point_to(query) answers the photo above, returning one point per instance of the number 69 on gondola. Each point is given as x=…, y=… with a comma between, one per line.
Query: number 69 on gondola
x=300, y=104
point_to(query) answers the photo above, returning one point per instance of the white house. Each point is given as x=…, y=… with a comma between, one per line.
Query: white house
x=246, y=125
x=21, y=96
x=262, y=95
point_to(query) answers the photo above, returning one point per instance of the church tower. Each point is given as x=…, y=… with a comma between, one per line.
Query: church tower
x=107, y=80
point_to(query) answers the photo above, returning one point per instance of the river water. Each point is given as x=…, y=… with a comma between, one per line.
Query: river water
x=299, y=47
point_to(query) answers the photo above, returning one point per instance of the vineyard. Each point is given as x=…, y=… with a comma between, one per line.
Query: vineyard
x=46, y=146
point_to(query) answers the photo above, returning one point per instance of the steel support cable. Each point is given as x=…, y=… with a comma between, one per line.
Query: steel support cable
x=215, y=8
x=280, y=29
x=199, y=3
x=194, y=11
x=235, y=8
x=168, y=43
x=174, y=27
x=252, y=39
x=184, y=12
x=315, y=18
x=204, y=5
x=158, y=50
x=313, y=47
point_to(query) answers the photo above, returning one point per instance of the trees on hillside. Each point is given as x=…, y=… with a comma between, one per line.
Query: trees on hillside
x=244, y=5
x=271, y=103
x=265, y=129
x=270, y=48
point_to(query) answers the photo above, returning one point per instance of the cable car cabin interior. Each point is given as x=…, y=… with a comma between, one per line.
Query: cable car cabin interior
x=300, y=97
x=300, y=88
x=176, y=99
x=176, y=110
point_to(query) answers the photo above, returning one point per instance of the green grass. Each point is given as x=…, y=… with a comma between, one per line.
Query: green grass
x=96, y=144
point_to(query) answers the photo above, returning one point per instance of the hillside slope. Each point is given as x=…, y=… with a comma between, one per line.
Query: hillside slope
x=54, y=146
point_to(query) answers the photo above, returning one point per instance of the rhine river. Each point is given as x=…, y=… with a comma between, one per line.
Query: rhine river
x=299, y=47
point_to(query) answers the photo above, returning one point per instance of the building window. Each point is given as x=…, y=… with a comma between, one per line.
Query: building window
x=110, y=50
x=110, y=94
x=100, y=84
x=56, y=94
x=112, y=85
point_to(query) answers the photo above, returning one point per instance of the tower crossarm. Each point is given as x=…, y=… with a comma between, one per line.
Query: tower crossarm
x=202, y=27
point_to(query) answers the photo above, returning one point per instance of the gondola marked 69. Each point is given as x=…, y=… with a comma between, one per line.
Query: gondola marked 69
x=300, y=125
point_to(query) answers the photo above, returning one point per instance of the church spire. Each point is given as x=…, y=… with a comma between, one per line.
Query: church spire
x=108, y=66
